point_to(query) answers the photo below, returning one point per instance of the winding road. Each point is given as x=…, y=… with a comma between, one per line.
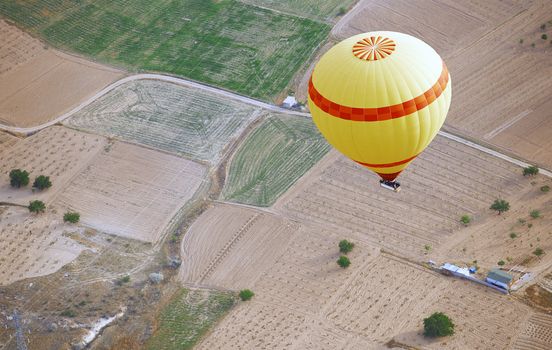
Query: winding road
x=237, y=97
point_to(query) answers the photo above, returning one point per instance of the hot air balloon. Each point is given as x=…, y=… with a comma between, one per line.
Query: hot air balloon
x=380, y=98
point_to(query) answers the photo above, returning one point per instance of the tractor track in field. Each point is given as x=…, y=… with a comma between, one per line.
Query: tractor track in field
x=243, y=99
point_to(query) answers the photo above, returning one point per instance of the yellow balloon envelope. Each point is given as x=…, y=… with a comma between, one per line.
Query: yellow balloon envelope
x=380, y=98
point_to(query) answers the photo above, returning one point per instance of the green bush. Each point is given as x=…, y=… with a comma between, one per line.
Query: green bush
x=545, y=188
x=19, y=178
x=42, y=182
x=37, y=206
x=345, y=246
x=535, y=214
x=513, y=235
x=538, y=252
x=343, y=261
x=123, y=280
x=544, y=37
x=68, y=313
x=246, y=294
x=465, y=219
x=501, y=263
x=530, y=170
x=71, y=217
x=438, y=325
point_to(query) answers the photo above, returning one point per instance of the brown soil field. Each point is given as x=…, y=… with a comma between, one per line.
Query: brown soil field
x=33, y=245
x=38, y=84
x=447, y=181
x=502, y=88
x=131, y=191
x=303, y=300
x=287, y=255
x=57, y=152
x=206, y=247
x=536, y=335
x=488, y=239
x=7, y=140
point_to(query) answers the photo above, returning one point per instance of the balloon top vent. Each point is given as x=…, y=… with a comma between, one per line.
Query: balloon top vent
x=373, y=48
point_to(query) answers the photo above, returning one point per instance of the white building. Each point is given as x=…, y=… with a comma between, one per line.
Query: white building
x=456, y=270
x=500, y=278
x=289, y=102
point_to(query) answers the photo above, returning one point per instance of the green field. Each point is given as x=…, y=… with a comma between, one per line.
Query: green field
x=325, y=10
x=187, y=317
x=272, y=158
x=176, y=119
x=226, y=43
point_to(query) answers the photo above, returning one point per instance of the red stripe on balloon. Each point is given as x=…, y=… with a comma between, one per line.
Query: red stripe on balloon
x=387, y=165
x=381, y=113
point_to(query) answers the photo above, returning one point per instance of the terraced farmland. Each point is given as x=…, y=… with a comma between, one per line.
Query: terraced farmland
x=33, y=245
x=445, y=182
x=169, y=117
x=537, y=334
x=7, y=140
x=187, y=317
x=57, y=152
x=131, y=191
x=322, y=10
x=234, y=45
x=272, y=158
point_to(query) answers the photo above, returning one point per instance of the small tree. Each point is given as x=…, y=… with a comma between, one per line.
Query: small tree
x=538, y=252
x=544, y=37
x=500, y=205
x=535, y=214
x=37, y=206
x=343, y=261
x=530, y=170
x=465, y=219
x=438, y=325
x=122, y=280
x=341, y=11
x=71, y=217
x=246, y=294
x=42, y=182
x=501, y=263
x=513, y=235
x=545, y=188
x=345, y=246
x=19, y=178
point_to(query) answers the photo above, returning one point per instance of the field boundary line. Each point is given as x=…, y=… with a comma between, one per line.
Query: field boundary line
x=148, y=76
x=491, y=152
x=507, y=124
x=240, y=98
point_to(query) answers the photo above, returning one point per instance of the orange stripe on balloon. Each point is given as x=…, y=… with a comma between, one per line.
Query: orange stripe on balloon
x=381, y=113
x=387, y=165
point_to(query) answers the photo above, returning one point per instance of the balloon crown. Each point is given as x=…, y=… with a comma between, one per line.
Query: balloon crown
x=373, y=48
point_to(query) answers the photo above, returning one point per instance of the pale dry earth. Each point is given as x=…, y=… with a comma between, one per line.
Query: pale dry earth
x=7, y=140
x=448, y=180
x=38, y=83
x=303, y=300
x=57, y=152
x=536, y=334
x=131, y=191
x=502, y=88
x=34, y=245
